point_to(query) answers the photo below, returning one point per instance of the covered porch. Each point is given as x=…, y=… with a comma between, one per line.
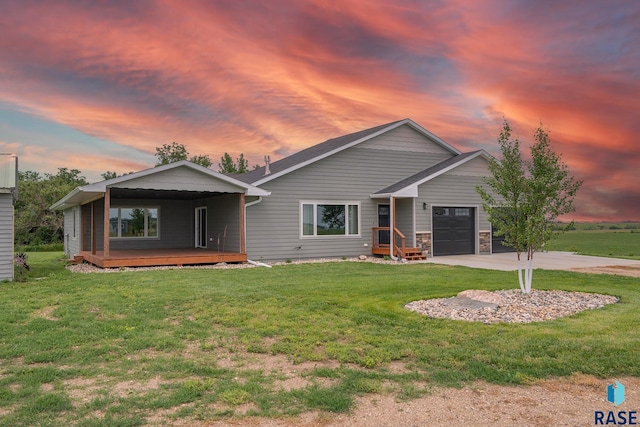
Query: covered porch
x=176, y=214
x=388, y=240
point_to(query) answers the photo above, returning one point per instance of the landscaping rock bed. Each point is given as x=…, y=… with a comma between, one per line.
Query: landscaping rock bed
x=510, y=306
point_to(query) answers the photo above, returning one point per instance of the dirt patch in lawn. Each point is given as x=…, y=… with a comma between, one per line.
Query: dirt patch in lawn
x=46, y=313
x=620, y=270
x=560, y=402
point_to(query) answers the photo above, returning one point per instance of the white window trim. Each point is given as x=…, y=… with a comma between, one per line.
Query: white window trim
x=315, y=203
x=146, y=226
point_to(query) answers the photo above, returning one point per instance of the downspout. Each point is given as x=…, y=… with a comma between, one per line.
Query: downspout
x=392, y=223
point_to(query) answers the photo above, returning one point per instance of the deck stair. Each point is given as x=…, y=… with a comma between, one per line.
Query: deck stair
x=400, y=248
x=410, y=254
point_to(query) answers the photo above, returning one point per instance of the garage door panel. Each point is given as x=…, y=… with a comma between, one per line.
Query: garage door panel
x=453, y=231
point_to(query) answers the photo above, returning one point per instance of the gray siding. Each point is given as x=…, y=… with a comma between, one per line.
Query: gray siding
x=72, y=227
x=176, y=230
x=223, y=222
x=407, y=139
x=6, y=236
x=182, y=178
x=273, y=226
x=449, y=190
x=176, y=220
x=404, y=220
x=454, y=188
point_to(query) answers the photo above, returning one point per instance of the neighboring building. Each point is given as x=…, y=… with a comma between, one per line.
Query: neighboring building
x=395, y=189
x=8, y=195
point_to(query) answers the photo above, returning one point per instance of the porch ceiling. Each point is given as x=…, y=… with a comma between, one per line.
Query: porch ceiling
x=130, y=193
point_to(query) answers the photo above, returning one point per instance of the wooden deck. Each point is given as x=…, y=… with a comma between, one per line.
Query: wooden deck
x=159, y=257
x=400, y=249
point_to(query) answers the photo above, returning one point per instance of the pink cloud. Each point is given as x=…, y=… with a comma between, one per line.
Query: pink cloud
x=270, y=77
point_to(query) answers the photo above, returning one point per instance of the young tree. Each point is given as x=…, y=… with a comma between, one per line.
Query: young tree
x=227, y=165
x=174, y=152
x=526, y=197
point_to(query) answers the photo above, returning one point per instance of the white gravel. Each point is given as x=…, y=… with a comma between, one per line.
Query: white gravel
x=512, y=306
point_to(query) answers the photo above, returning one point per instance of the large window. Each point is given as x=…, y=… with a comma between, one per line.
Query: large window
x=330, y=219
x=133, y=222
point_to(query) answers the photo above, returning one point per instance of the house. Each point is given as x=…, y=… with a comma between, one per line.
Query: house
x=395, y=190
x=8, y=195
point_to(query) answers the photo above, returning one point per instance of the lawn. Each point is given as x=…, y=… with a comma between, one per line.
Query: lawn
x=152, y=347
x=608, y=243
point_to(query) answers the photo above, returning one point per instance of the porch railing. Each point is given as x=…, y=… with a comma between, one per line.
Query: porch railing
x=396, y=236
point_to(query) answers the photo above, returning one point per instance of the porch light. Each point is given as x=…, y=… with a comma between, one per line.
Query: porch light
x=424, y=206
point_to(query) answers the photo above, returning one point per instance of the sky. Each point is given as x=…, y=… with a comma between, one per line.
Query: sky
x=98, y=85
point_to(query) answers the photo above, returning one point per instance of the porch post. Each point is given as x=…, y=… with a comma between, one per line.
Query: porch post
x=93, y=228
x=392, y=226
x=243, y=249
x=107, y=208
x=83, y=226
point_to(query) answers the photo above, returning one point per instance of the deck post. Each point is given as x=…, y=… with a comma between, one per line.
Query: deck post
x=107, y=208
x=392, y=226
x=83, y=226
x=243, y=249
x=93, y=228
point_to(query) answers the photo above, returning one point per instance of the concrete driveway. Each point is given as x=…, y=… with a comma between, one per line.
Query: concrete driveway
x=543, y=260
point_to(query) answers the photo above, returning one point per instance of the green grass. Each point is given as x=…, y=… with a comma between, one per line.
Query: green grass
x=131, y=348
x=619, y=243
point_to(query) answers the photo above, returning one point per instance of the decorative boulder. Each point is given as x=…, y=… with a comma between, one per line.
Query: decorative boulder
x=478, y=295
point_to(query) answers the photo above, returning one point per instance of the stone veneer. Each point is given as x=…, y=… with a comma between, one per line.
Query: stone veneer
x=423, y=241
x=485, y=242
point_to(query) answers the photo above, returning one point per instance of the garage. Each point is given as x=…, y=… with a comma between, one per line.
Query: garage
x=497, y=245
x=453, y=230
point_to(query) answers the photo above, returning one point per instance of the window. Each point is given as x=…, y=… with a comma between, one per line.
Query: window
x=330, y=219
x=133, y=222
x=463, y=211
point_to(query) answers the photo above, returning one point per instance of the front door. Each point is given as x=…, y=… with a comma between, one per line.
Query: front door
x=384, y=220
x=201, y=227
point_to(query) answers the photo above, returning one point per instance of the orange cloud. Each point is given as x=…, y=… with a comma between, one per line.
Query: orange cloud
x=274, y=77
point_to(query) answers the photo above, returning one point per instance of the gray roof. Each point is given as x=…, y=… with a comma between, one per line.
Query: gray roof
x=408, y=186
x=96, y=190
x=329, y=147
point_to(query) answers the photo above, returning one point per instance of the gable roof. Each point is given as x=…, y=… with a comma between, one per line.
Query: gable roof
x=408, y=187
x=90, y=192
x=330, y=147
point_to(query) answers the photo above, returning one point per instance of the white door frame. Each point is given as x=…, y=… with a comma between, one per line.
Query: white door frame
x=201, y=227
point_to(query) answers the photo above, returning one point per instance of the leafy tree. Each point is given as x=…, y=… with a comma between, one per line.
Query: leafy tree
x=35, y=223
x=109, y=175
x=174, y=152
x=227, y=165
x=526, y=197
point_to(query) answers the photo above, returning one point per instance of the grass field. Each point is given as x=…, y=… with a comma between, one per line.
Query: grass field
x=619, y=243
x=131, y=348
